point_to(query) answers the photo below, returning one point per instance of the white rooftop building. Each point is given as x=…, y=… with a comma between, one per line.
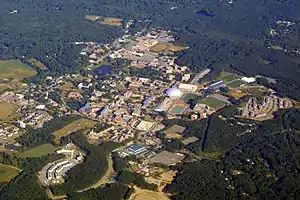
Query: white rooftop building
x=173, y=92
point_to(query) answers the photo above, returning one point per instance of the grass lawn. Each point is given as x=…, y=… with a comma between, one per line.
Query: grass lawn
x=212, y=102
x=236, y=84
x=15, y=69
x=39, y=151
x=75, y=126
x=7, y=110
x=188, y=96
x=37, y=63
x=227, y=77
x=258, y=92
x=8, y=172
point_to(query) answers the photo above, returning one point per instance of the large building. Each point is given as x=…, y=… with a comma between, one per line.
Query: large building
x=163, y=106
x=187, y=87
x=173, y=92
x=216, y=85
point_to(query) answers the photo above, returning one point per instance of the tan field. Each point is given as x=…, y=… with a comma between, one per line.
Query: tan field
x=37, y=63
x=112, y=21
x=92, y=17
x=8, y=172
x=173, y=135
x=140, y=194
x=159, y=47
x=75, y=126
x=7, y=110
x=15, y=69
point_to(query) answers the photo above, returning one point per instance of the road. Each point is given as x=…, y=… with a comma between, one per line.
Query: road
x=105, y=178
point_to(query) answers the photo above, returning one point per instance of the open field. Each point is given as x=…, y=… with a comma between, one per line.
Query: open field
x=8, y=172
x=7, y=110
x=173, y=135
x=39, y=151
x=236, y=84
x=227, y=77
x=188, y=96
x=112, y=21
x=37, y=63
x=212, y=102
x=15, y=69
x=92, y=17
x=140, y=194
x=236, y=93
x=75, y=126
x=160, y=47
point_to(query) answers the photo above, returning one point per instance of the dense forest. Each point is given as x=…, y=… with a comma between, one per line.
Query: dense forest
x=262, y=165
x=233, y=36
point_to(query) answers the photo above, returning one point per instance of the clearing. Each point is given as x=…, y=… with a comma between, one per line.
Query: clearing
x=92, y=17
x=37, y=63
x=15, y=69
x=75, y=126
x=112, y=21
x=227, y=77
x=8, y=172
x=140, y=194
x=236, y=84
x=164, y=46
x=212, y=102
x=39, y=151
x=7, y=110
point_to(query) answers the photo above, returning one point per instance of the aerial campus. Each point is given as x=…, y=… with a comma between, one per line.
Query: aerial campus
x=132, y=107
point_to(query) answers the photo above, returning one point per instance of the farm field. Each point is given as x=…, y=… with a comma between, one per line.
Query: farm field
x=15, y=69
x=8, y=172
x=39, y=151
x=212, y=102
x=7, y=110
x=37, y=63
x=75, y=126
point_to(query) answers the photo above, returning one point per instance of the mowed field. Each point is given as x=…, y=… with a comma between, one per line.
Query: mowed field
x=37, y=63
x=140, y=194
x=7, y=110
x=212, y=102
x=39, y=151
x=15, y=70
x=8, y=172
x=75, y=126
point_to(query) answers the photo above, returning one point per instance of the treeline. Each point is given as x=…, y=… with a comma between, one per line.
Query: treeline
x=34, y=137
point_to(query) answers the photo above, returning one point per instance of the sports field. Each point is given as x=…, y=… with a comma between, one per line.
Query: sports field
x=75, y=126
x=177, y=109
x=37, y=63
x=140, y=194
x=8, y=172
x=164, y=46
x=38, y=151
x=189, y=96
x=15, y=69
x=212, y=102
x=7, y=110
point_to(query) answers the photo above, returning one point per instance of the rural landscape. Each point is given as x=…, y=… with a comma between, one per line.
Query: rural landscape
x=148, y=100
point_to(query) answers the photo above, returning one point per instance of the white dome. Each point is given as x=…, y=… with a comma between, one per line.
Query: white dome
x=173, y=92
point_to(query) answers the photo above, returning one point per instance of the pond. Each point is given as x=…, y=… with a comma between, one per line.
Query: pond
x=203, y=13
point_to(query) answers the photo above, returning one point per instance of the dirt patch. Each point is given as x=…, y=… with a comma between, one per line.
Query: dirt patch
x=148, y=195
x=112, y=21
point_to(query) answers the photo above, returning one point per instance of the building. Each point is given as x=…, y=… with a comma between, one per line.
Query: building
x=216, y=85
x=248, y=79
x=163, y=106
x=187, y=87
x=173, y=92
